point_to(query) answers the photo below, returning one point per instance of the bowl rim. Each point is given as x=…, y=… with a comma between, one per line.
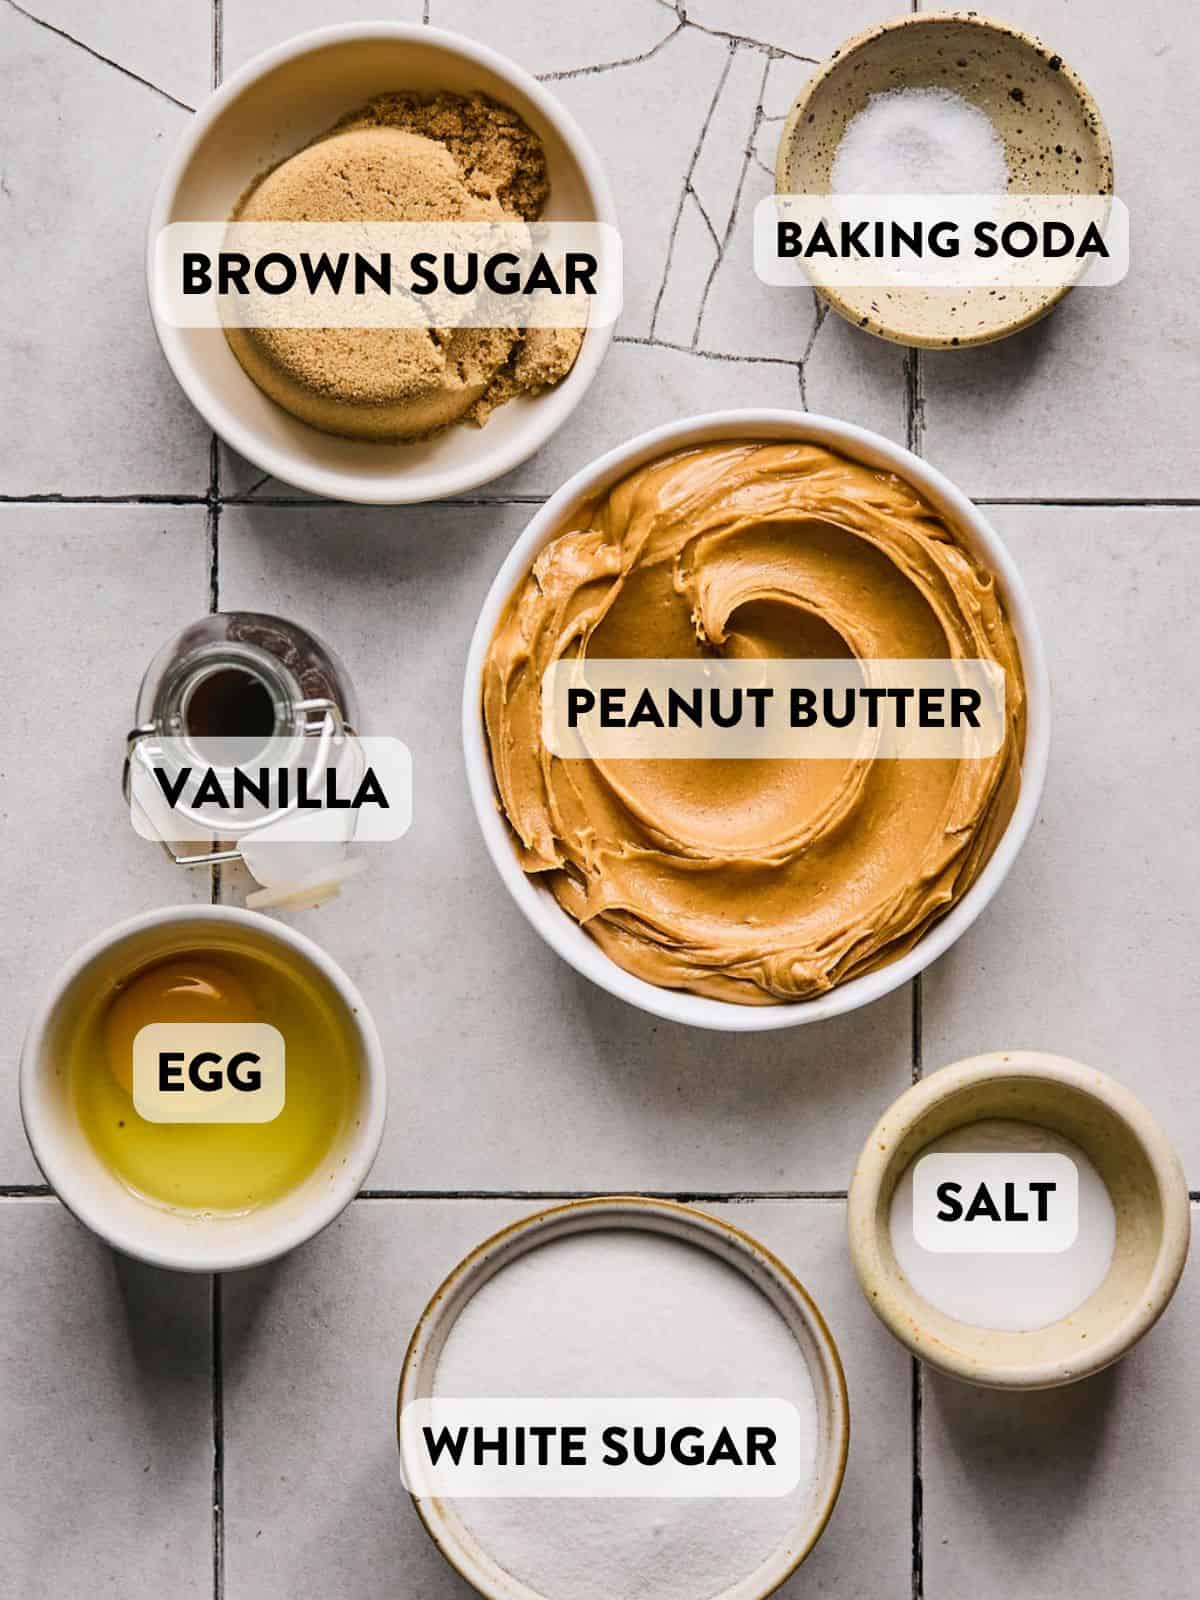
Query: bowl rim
x=835, y=63
x=274, y=1240
x=900, y=1308
x=403, y=486
x=655, y=1214
x=537, y=904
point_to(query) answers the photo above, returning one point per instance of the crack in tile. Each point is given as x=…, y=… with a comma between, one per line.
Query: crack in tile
x=607, y=66
x=777, y=51
x=704, y=216
x=704, y=355
x=822, y=311
x=737, y=202
x=687, y=187
x=248, y=494
x=96, y=55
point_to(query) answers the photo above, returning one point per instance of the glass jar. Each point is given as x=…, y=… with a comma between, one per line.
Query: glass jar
x=243, y=676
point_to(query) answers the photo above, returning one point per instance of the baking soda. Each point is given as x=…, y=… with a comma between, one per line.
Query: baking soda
x=624, y=1313
x=918, y=142
x=1017, y=1292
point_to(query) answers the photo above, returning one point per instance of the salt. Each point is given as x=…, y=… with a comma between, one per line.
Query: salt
x=1017, y=1292
x=918, y=142
x=625, y=1313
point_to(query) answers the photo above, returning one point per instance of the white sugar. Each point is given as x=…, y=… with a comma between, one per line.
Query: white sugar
x=920, y=141
x=621, y=1313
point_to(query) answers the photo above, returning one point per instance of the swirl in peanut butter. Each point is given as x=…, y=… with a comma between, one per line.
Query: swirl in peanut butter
x=751, y=881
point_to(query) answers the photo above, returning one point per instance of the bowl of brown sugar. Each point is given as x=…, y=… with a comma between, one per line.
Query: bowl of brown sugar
x=382, y=122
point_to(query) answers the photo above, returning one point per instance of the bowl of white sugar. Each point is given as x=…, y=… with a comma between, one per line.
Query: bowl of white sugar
x=936, y=107
x=1018, y=1220
x=623, y=1396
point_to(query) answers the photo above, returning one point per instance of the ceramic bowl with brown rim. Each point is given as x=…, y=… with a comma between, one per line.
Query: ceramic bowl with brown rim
x=781, y=1291
x=1128, y=1149
x=1054, y=139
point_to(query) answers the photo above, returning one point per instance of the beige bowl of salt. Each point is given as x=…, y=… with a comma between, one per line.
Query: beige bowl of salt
x=1059, y=1317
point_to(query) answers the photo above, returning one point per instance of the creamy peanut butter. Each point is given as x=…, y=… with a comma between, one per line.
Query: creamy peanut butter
x=751, y=881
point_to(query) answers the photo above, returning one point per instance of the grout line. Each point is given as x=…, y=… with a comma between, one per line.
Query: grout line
x=918, y=1023
x=249, y=498
x=1082, y=500
x=713, y=1197
x=53, y=499
x=43, y=1191
x=218, y=42
x=914, y=417
x=914, y=402
x=212, y=528
x=918, y=1483
x=218, y=1441
x=212, y=523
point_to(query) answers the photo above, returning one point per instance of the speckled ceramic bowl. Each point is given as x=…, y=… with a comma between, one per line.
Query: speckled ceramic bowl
x=729, y=1244
x=1055, y=142
x=1129, y=1150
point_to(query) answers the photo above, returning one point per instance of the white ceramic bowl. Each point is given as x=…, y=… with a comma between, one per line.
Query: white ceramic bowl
x=268, y=110
x=788, y=1296
x=95, y=1195
x=561, y=931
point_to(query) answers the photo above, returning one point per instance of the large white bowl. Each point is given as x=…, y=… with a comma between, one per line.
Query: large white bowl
x=265, y=112
x=561, y=931
x=789, y=1297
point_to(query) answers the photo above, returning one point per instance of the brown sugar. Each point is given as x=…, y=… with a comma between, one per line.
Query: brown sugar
x=403, y=159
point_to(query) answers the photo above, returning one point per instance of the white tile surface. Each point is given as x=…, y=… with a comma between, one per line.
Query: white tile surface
x=1091, y=949
x=508, y=1072
x=90, y=593
x=807, y=31
x=90, y=406
x=251, y=26
x=1076, y=1491
x=169, y=43
x=105, y=1392
x=1103, y=398
x=321, y=1341
x=549, y=40
x=590, y=1093
x=651, y=108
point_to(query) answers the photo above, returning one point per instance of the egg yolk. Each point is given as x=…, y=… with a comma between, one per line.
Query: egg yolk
x=184, y=989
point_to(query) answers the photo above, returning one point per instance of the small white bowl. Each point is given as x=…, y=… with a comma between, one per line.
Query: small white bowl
x=560, y=931
x=95, y=1195
x=1133, y=1156
x=265, y=112
x=788, y=1296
